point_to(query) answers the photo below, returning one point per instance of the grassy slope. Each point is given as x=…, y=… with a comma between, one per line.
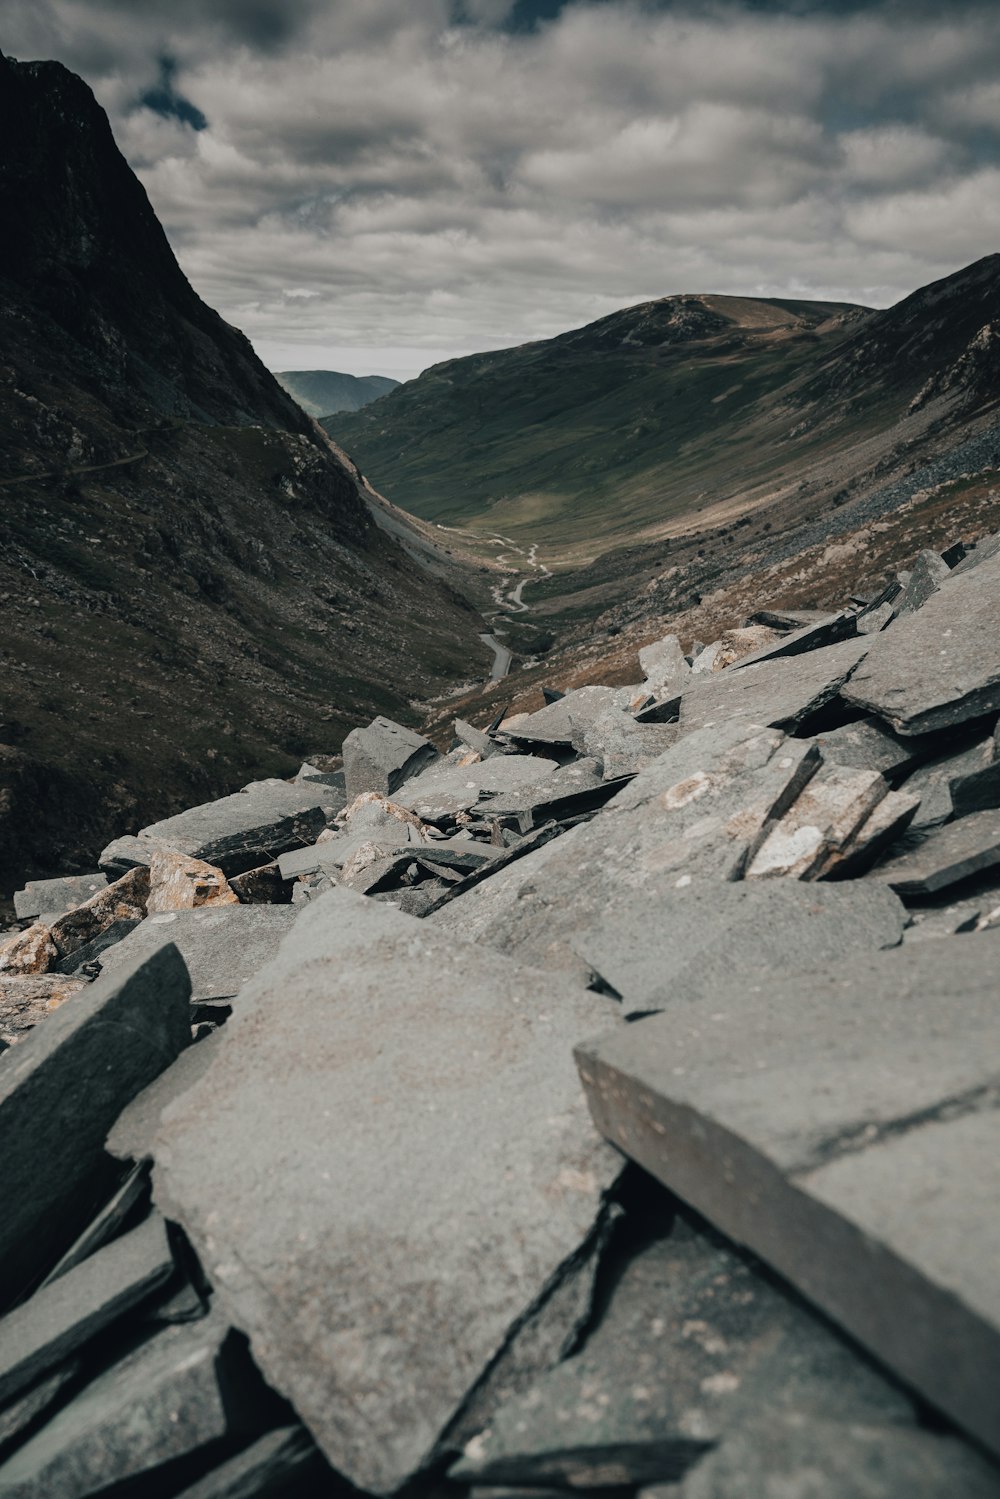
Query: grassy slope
x=586, y=440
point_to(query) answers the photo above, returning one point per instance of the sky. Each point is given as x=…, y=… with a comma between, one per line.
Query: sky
x=376, y=185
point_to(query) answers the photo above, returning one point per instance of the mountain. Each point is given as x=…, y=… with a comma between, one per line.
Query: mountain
x=323, y=392
x=690, y=406
x=196, y=585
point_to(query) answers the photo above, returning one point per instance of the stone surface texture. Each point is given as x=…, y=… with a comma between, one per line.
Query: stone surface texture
x=940, y=666
x=850, y=1137
x=359, y=1256
x=62, y=1088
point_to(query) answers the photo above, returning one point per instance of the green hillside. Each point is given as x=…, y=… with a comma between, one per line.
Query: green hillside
x=321, y=392
x=606, y=432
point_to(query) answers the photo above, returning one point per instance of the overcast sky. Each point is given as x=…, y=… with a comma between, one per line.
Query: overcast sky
x=375, y=185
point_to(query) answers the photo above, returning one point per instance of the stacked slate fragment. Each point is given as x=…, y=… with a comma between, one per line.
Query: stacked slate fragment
x=607, y=1103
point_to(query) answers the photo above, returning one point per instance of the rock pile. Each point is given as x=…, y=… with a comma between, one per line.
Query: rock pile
x=303, y=1185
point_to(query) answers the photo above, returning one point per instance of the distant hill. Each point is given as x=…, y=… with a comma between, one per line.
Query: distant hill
x=659, y=414
x=323, y=392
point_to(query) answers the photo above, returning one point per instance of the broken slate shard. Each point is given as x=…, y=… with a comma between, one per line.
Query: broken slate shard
x=246, y=829
x=270, y=1466
x=379, y=1271
x=788, y=1457
x=47, y=899
x=223, y=946
x=172, y=1396
x=690, y=1340
x=67, y=1313
x=781, y=693
x=834, y=1124
x=940, y=666
x=809, y=637
x=382, y=756
x=947, y=855
x=63, y=1087
x=440, y=793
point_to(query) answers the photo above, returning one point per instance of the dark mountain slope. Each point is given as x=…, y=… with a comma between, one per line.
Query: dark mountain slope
x=193, y=590
x=323, y=392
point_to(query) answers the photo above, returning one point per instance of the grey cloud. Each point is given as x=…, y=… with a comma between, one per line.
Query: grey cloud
x=446, y=175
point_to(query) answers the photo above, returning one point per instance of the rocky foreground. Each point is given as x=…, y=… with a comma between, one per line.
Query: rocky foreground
x=317, y=1177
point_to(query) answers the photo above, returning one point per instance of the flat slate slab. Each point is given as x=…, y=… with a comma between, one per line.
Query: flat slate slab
x=268, y=1466
x=662, y=946
x=249, y=828
x=63, y=1087
x=440, y=793
x=782, y=693
x=691, y=1341
x=842, y=1123
x=223, y=946
x=947, y=855
x=381, y=756
x=564, y=722
x=51, y=898
x=67, y=1313
x=786, y=1457
x=809, y=637
x=869, y=745
x=401, y=1166
x=940, y=666
x=161, y=1402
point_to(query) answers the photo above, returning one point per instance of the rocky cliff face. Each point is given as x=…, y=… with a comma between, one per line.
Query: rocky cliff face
x=191, y=584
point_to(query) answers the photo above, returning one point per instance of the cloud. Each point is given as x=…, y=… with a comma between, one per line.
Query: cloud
x=440, y=176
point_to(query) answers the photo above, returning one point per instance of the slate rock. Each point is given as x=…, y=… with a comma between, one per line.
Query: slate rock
x=378, y=1271
x=439, y=794
x=780, y=693
x=625, y=747
x=926, y=576
x=946, y=856
x=872, y=621
x=552, y=784
x=809, y=637
x=695, y=817
x=476, y=739
x=869, y=745
x=808, y=841
x=128, y=1201
x=832, y=1122
x=61, y=1089
x=242, y=831
x=789, y=619
x=662, y=947
x=691, y=1340
x=738, y=645
x=958, y=783
x=939, y=667
x=27, y=952
x=170, y=1397
x=124, y=900
x=26, y=1001
x=664, y=666
x=787, y=1457
x=879, y=832
x=123, y=854
x=223, y=946
x=92, y=952
x=263, y=886
x=60, y=1319
x=382, y=756
x=179, y=883
x=131, y=1136
x=276, y=1460
x=17, y=1418
x=54, y=897
x=564, y=723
